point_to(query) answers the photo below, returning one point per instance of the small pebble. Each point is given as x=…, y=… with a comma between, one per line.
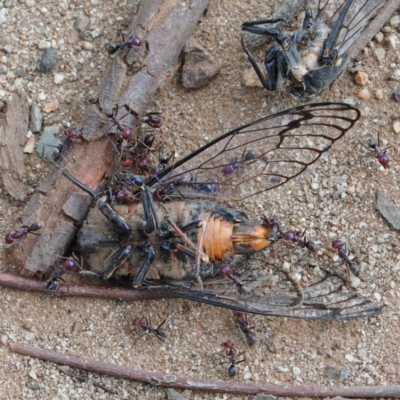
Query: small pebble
x=396, y=127
x=379, y=37
x=395, y=76
x=296, y=371
x=88, y=46
x=314, y=186
x=8, y=48
x=58, y=79
x=380, y=54
x=4, y=339
x=396, y=95
x=51, y=106
x=395, y=20
x=392, y=41
x=32, y=374
x=248, y=375
x=389, y=369
x=48, y=60
x=378, y=94
x=43, y=45
x=349, y=357
x=35, y=118
x=30, y=3
x=29, y=134
x=42, y=96
x=364, y=94
x=344, y=375
x=361, y=78
x=30, y=145
x=3, y=15
x=355, y=282
x=378, y=296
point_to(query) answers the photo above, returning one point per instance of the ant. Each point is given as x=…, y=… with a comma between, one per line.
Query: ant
x=150, y=119
x=70, y=265
x=70, y=134
x=125, y=131
x=235, y=164
x=19, y=236
x=133, y=41
x=380, y=155
x=226, y=271
x=232, y=356
x=146, y=326
x=300, y=240
x=244, y=328
x=341, y=248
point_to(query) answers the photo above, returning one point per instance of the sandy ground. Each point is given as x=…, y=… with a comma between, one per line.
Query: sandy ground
x=341, y=204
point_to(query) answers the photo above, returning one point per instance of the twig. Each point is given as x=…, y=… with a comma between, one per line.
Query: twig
x=207, y=385
x=375, y=26
x=23, y=283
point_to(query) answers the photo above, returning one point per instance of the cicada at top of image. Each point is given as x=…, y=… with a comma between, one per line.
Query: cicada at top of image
x=308, y=61
x=179, y=236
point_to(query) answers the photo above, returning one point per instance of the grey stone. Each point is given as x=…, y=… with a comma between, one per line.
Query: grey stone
x=344, y=375
x=35, y=118
x=172, y=394
x=81, y=25
x=199, y=67
x=48, y=60
x=388, y=210
x=332, y=372
x=48, y=142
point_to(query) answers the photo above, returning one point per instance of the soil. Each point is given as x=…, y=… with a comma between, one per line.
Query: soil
x=335, y=198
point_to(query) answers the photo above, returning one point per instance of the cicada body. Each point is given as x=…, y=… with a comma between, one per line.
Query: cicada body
x=308, y=61
x=180, y=237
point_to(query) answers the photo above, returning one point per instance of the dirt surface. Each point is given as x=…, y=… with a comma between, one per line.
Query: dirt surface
x=335, y=198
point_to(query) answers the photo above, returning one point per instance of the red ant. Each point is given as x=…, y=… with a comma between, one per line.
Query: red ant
x=300, y=240
x=70, y=134
x=19, y=236
x=341, y=248
x=243, y=326
x=226, y=271
x=380, y=155
x=125, y=131
x=146, y=326
x=70, y=266
x=150, y=119
x=232, y=356
x=133, y=41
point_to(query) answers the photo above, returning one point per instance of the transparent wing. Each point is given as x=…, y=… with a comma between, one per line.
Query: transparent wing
x=349, y=21
x=258, y=156
x=322, y=300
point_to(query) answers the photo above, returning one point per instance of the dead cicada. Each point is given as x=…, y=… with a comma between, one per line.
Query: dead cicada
x=309, y=60
x=196, y=247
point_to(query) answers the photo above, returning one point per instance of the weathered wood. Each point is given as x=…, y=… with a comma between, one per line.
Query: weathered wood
x=13, y=130
x=205, y=385
x=375, y=26
x=165, y=25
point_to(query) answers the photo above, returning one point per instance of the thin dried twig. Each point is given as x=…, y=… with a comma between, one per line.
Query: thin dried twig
x=23, y=283
x=207, y=385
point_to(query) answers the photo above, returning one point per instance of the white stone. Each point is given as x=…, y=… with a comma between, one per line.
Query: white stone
x=395, y=20
x=58, y=79
x=42, y=96
x=29, y=336
x=396, y=127
x=30, y=3
x=378, y=296
x=355, y=282
x=349, y=357
x=296, y=371
x=3, y=15
x=88, y=45
x=33, y=375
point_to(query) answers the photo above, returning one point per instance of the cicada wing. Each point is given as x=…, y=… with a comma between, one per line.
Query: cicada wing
x=261, y=155
x=323, y=300
x=347, y=22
